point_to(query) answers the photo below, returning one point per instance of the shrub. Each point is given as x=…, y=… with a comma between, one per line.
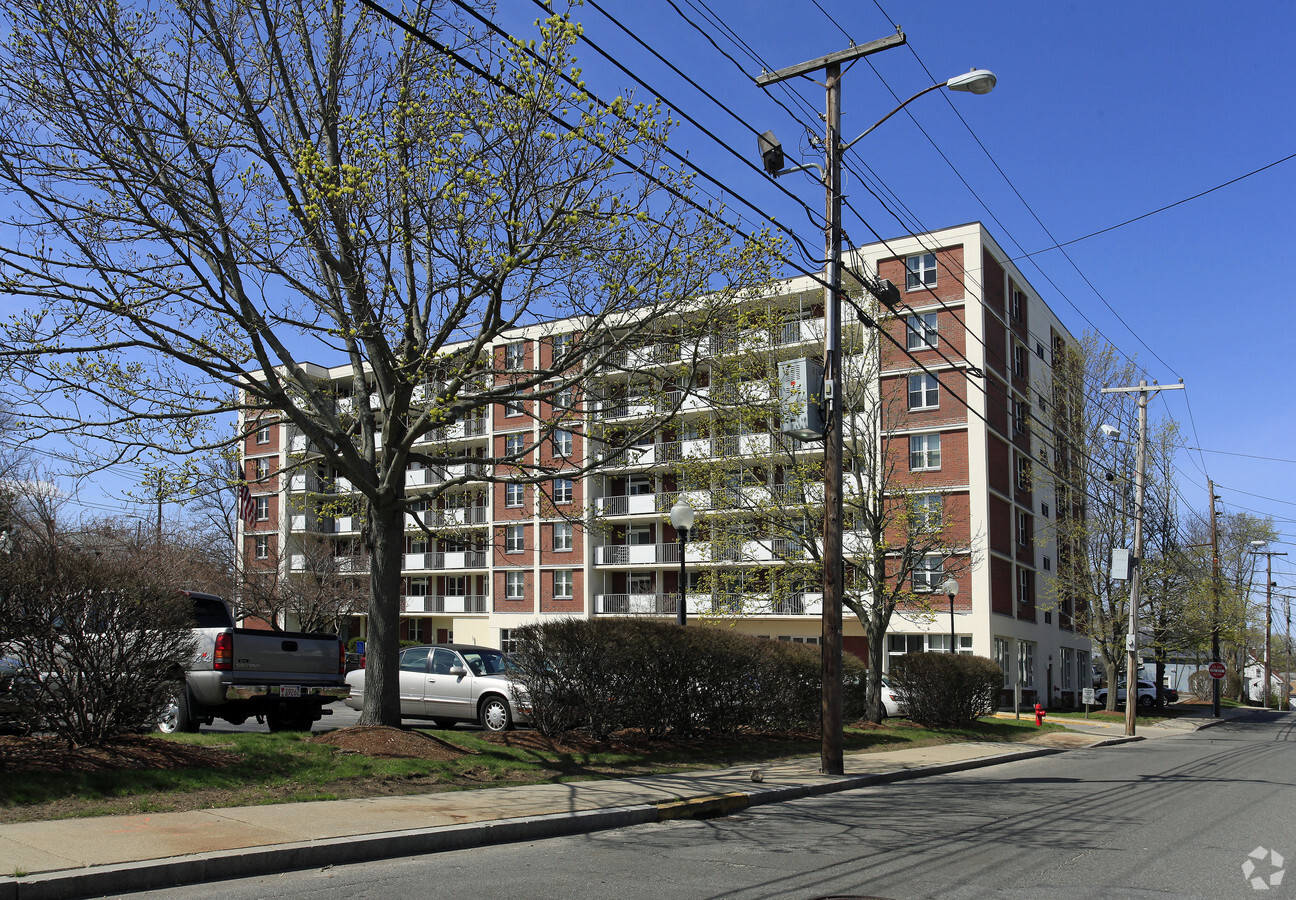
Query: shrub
x=946, y=689
x=105, y=645
x=606, y=675
x=1201, y=684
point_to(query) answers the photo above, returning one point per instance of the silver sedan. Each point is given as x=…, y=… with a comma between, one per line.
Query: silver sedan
x=451, y=683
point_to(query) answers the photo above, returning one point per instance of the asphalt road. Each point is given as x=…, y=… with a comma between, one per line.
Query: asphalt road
x=1175, y=817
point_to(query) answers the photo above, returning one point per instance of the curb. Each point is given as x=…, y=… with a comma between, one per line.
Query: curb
x=248, y=862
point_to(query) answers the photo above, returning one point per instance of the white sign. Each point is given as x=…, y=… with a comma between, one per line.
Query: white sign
x=1087, y=695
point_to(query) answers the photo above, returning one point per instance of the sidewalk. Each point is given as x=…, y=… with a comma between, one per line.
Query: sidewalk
x=118, y=854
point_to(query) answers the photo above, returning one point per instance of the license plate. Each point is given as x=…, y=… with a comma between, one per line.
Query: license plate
x=290, y=690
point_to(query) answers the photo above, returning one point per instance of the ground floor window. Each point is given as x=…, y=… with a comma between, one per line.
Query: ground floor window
x=900, y=644
x=1002, y=655
x=508, y=640
x=418, y=631
x=1026, y=663
x=1068, y=668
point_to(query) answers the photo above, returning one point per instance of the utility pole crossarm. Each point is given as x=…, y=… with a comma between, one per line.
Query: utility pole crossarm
x=837, y=58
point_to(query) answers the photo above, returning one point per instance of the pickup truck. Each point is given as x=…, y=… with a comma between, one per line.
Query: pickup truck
x=281, y=678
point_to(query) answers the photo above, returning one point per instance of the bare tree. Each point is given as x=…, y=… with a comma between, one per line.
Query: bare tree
x=211, y=193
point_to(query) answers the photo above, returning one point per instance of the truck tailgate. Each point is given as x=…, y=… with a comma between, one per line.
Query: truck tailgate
x=308, y=658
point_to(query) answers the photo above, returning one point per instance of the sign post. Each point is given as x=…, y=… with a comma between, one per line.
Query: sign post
x=1088, y=697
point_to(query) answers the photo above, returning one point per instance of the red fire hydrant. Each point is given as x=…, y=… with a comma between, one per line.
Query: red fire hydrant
x=1039, y=714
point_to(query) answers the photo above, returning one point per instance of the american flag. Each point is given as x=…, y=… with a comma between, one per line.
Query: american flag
x=247, y=509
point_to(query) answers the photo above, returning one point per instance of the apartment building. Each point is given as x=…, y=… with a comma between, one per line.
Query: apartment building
x=963, y=376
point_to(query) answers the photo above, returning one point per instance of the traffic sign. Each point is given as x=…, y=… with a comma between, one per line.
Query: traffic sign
x=1216, y=670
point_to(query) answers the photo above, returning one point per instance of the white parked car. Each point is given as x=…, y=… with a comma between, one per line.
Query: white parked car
x=1146, y=694
x=451, y=683
x=890, y=705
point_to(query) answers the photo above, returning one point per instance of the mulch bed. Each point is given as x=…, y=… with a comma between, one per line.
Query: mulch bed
x=381, y=740
x=28, y=754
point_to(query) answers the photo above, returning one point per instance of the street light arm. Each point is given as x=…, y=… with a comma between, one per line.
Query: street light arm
x=926, y=90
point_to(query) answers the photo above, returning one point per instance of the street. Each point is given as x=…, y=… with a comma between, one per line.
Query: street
x=1176, y=817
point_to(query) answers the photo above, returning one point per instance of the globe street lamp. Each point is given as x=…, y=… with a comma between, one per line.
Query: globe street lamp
x=681, y=516
x=950, y=587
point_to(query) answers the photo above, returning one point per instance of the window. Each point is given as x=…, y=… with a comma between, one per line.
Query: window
x=1048, y=564
x=514, y=542
x=1021, y=414
x=1016, y=304
x=1019, y=361
x=1044, y=510
x=564, y=398
x=262, y=546
x=562, y=443
x=562, y=490
x=1026, y=663
x=1025, y=530
x=642, y=583
x=900, y=644
x=1002, y=655
x=456, y=586
x=1039, y=349
x=924, y=452
x=928, y=512
x=561, y=344
x=514, y=356
x=639, y=535
x=1025, y=587
x=939, y=643
x=263, y=434
x=929, y=572
x=562, y=584
x=508, y=640
x=1068, y=668
x=920, y=271
x=415, y=659
x=924, y=392
x=1023, y=473
x=260, y=469
x=562, y=536
x=638, y=485
x=514, y=408
x=514, y=585
x=262, y=509
x=513, y=494
x=921, y=331
x=514, y=444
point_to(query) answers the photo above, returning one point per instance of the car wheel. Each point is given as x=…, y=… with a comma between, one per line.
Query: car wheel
x=177, y=717
x=494, y=714
x=1146, y=701
x=444, y=723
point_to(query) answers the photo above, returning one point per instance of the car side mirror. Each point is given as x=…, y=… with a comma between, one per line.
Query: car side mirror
x=458, y=671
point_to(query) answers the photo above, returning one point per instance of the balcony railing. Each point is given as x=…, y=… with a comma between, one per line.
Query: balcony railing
x=636, y=604
x=450, y=603
x=628, y=505
x=636, y=554
x=462, y=559
x=314, y=524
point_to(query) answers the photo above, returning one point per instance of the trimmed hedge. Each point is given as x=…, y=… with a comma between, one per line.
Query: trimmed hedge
x=606, y=675
x=946, y=689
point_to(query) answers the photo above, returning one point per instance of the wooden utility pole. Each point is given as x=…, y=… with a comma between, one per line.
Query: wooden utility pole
x=1131, y=638
x=1215, y=599
x=1268, y=669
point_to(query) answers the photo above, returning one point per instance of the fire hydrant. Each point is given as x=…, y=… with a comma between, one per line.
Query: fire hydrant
x=1039, y=714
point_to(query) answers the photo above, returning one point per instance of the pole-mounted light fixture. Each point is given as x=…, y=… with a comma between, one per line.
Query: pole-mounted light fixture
x=951, y=587
x=681, y=516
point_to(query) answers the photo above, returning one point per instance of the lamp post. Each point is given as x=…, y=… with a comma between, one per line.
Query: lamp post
x=978, y=81
x=950, y=587
x=1268, y=671
x=681, y=516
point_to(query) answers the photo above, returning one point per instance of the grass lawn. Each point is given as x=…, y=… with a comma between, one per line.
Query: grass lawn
x=241, y=769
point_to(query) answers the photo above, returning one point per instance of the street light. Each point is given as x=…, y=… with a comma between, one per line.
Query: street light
x=950, y=587
x=681, y=516
x=977, y=81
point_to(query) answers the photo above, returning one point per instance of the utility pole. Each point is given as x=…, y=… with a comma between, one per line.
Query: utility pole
x=1131, y=638
x=1215, y=599
x=831, y=761
x=1268, y=669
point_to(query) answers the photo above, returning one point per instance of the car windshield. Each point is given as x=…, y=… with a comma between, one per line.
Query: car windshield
x=484, y=662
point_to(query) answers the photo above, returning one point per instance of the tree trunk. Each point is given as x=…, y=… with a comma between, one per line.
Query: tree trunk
x=875, y=632
x=386, y=554
x=1109, y=674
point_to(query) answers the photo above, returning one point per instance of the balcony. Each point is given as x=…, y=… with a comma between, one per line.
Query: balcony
x=460, y=559
x=300, y=445
x=432, y=603
x=346, y=524
x=636, y=554
x=799, y=332
x=628, y=505
x=314, y=524
x=636, y=604
x=307, y=483
x=459, y=515
x=645, y=355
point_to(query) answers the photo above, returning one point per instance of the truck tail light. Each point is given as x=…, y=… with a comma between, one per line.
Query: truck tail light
x=224, y=658
x=341, y=658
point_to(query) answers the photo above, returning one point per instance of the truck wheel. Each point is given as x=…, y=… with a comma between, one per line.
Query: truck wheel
x=293, y=721
x=177, y=716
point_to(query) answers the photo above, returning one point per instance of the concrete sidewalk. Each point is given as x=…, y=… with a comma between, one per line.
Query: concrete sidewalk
x=118, y=854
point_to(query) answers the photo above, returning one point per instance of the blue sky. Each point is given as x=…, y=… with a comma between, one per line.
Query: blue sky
x=1104, y=111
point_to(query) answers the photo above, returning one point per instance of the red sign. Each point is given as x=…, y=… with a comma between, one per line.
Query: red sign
x=1216, y=670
